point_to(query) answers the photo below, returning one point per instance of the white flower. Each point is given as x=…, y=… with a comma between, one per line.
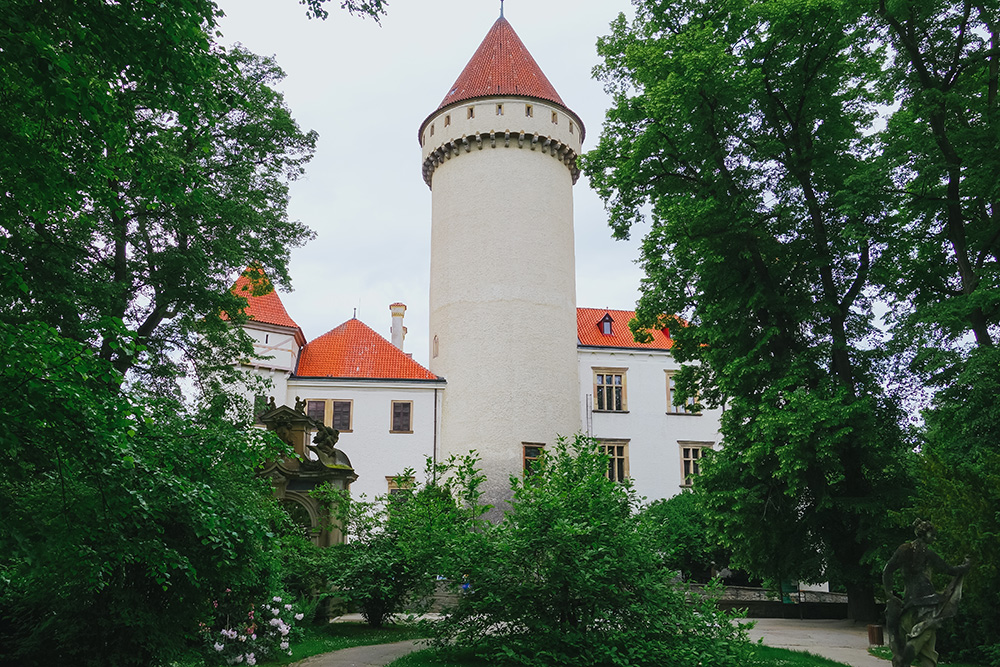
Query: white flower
x=298, y=617
x=253, y=637
x=275, y=621
x=288, y=607
x=217, y=646
x=251, y=660
x=276, y=599
x=284, y=630
x=275, y=611
x=284, y=646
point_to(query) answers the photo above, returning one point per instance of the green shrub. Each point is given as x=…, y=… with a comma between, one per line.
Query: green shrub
x=570, y=577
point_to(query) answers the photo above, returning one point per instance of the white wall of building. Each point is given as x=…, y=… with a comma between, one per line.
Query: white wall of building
x=374, y=451
x=655, y=435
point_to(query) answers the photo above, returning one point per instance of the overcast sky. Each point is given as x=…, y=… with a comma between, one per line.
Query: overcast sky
x=366, y=89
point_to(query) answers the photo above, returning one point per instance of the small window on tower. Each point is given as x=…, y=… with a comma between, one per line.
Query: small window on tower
x=528, y=110
x=447, y=120
x=571, y=127
x=499, y=109
x=472, y=112
x=555, y=118
x=432, y=129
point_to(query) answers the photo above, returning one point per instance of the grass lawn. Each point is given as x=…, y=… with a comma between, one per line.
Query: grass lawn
x=766, y=657
x=335, y=636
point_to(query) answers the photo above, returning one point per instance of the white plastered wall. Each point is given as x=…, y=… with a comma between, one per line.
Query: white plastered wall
x=654, y=434
x=374, y=451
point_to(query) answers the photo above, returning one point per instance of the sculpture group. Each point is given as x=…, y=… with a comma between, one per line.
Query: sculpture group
x=912, y=621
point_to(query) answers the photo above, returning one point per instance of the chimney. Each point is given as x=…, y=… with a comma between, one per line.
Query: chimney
x=398, y=330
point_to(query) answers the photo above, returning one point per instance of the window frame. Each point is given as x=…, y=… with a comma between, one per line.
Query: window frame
x=526, y=460
x=623, y=461
x=392, y=416
x=694, y=446
x=623, y=372
x=679, y=409
x=350, y=413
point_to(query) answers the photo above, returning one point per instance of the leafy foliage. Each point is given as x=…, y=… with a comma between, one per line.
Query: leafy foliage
x=569, y=577
x=400, y=542
x=960, y=494
x=683, y=538
x=743, y=127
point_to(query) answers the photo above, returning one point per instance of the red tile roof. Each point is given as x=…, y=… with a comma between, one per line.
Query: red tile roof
x=501, y=66
x=354, y=350
x=265, y=306
x=588, y=326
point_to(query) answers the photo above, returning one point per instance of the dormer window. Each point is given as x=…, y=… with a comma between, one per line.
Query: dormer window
x=605, y=324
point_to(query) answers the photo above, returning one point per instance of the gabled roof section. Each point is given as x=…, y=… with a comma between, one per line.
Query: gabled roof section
x=354, y=350
x=501, y=66
x=263, y=303
x=588, y=326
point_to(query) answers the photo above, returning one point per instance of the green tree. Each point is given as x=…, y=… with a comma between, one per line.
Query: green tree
x=144, y=166
x=941, y=147
x=743, y=128
x=120, y=519
x=400, y=542
x=683, y=538
x=570, y=577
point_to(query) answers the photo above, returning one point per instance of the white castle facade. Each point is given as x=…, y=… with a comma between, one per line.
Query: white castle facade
x=513, y=361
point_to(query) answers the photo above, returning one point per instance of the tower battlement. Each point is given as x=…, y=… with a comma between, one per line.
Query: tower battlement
x=500, y=122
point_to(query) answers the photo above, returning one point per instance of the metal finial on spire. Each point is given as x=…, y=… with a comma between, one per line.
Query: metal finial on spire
x=501, y=8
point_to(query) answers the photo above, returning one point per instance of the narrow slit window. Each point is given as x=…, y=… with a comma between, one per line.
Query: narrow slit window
x=499, y=109
x=432, y=129
x=472, y=112
x=555, y=118
x=571, y=127
x=447, y=120
x=528, y=110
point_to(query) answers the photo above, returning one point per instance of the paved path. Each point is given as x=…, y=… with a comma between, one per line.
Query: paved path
x=843, y=641
x=361, y=656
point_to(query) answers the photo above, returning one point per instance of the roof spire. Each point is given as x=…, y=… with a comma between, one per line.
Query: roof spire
x=501, y=8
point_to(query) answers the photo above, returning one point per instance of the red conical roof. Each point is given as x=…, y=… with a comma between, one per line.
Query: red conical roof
x=501, y=66
x=354, y=350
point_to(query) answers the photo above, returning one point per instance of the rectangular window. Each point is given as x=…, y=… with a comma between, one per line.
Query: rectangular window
x=529, y=111
x=472, y=112
x=555, y=118
x=532, y=450
x=397, y=485
x=676, y=407
x=609, y=390
x=342, y=415
x=447, y=120
x=402, y=417
x=316, y=410
x=617, y=451
x=691, y=453
x=499, y=109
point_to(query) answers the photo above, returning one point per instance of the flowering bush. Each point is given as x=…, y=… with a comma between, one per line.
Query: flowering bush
x=264, y=631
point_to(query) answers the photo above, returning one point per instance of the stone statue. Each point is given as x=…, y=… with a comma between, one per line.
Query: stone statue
x=912, y=622
x=271, y=405
x=300, y=405
x=324, y=445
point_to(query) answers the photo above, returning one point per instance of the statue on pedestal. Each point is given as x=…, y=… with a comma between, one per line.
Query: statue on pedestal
x=912, y=621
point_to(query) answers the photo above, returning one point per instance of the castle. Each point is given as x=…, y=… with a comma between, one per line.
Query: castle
x=513, y=361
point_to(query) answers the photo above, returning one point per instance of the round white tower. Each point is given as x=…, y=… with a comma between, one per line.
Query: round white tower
x=499, y=155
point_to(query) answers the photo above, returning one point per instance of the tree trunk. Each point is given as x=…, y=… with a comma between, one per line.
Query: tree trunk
x=861, y=605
